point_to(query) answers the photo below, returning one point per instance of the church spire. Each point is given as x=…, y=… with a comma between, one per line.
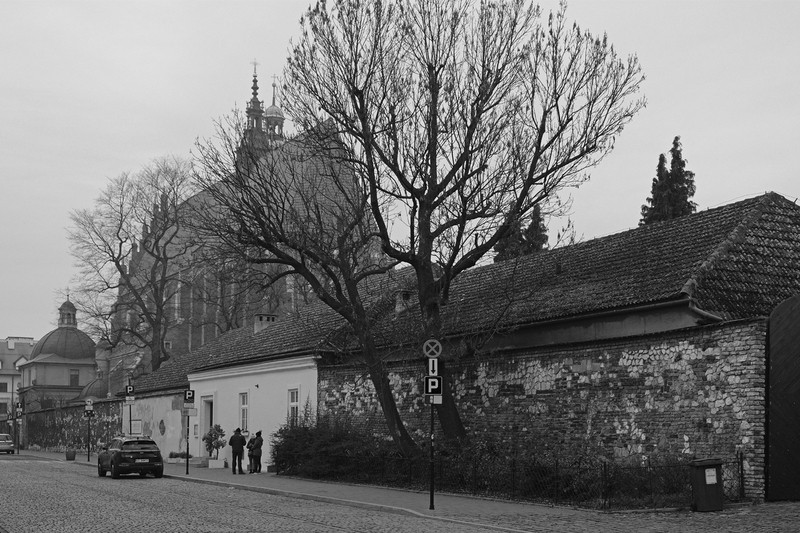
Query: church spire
x=255, y=108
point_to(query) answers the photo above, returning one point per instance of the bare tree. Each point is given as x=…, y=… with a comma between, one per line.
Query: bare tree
x=132, y=250
x=297, y=209
x=460, y=116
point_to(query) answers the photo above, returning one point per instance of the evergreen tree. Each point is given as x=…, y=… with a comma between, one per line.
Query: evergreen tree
x=671, y=189
x=521, y=242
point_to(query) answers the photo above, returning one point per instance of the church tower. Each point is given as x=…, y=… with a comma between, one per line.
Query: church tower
x=264, y=128
x=255, y=107
x=274, y=118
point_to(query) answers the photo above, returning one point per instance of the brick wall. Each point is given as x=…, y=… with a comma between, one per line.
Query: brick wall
x=697, y=393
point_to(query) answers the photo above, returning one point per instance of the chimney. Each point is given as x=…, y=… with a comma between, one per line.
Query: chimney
x=261, y=321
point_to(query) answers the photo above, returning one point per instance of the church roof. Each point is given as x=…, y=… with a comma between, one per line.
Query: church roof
x=66, y=342
x=97, y=388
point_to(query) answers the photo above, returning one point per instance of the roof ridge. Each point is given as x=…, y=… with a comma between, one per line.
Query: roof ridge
x=735, y=236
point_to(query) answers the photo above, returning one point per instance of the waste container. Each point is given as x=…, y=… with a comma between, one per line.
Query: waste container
x=707, y=487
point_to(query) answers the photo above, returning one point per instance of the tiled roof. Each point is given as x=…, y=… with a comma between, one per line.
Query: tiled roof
x=739, y=260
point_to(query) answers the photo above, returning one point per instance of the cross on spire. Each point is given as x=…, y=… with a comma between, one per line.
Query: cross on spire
x=255, y=65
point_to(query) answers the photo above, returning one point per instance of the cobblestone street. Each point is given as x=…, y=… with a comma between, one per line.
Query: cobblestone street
x=55, y=496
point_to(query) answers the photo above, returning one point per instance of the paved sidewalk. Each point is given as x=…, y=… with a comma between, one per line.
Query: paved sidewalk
x=488, y=513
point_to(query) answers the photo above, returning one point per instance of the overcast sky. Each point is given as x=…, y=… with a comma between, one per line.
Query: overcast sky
x=91, y=89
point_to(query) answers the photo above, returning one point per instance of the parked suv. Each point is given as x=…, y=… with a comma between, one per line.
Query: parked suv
x=6, y=443
x=128, y=455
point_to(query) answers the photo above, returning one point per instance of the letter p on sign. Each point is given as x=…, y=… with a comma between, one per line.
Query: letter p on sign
x=433, y=385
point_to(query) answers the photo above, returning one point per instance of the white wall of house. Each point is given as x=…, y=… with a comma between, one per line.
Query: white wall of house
x=259, y=396
x=161, y=418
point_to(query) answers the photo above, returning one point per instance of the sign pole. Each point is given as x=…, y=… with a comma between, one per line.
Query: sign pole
x=187, y=444
x=431, y=457
x=188, y=403
x=88, y=438
x=129, y=398
x=432, y=385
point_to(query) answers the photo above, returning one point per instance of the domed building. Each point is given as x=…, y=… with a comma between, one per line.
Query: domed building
x=61, y=364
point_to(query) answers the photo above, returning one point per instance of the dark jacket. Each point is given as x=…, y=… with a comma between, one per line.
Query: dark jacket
x=250, y=445
x=257, y=446
x=237, y=442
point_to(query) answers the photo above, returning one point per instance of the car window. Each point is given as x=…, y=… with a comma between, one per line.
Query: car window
x=140, y=445
x=5, y=437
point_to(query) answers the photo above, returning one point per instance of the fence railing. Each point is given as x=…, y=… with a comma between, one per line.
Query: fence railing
x=580, y=481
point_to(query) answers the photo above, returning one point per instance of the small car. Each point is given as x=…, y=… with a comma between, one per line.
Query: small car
x=6, y=443
x=130, y=455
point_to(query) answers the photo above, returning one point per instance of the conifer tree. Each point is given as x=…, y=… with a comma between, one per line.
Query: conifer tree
x=672, y=189
x=519, y=242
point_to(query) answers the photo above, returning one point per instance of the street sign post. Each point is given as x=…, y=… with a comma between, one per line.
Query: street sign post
x=129, y=398
x=432, y=349
x=189, y=410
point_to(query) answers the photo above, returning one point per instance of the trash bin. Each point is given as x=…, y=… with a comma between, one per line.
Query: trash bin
x=707, y=487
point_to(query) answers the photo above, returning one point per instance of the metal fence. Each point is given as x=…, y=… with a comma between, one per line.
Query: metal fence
x=581, y=481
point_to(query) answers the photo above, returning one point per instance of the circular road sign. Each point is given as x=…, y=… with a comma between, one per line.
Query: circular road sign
x=432, y=348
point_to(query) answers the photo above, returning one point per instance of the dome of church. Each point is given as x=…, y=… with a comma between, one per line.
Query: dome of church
x=66, y=340
x=97, y=388
x=273, y=111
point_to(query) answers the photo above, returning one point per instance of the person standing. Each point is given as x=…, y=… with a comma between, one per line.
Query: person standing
x=237, y=444
x=257, y=444
x=250, y=463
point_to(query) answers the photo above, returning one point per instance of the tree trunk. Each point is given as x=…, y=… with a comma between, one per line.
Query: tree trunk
x=447, y=411
x=394, y=423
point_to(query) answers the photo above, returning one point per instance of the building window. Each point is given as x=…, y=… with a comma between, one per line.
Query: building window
x=294, y=406
x=74, y=377
x=243, y=411
x=176, y=302
x=3, y=387
x=4, y=409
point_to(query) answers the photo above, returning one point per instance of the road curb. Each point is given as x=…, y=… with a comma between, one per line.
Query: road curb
x=341, y=501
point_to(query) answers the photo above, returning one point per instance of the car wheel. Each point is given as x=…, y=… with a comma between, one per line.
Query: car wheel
x=114, y=470
x=100, y=470
x=159, y=472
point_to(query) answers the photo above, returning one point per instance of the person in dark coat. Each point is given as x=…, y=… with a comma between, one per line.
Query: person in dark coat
x=257, y=444
x=250, y=463
x=237, y=444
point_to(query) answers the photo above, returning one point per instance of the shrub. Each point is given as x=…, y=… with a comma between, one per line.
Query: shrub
x=214, y=440
x=331, y=447
x=178, y=455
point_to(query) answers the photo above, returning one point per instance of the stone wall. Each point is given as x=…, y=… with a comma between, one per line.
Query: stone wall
x=697, y=392
x=64, y=427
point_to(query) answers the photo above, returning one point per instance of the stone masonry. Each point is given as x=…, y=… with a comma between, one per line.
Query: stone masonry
x=697, y=392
